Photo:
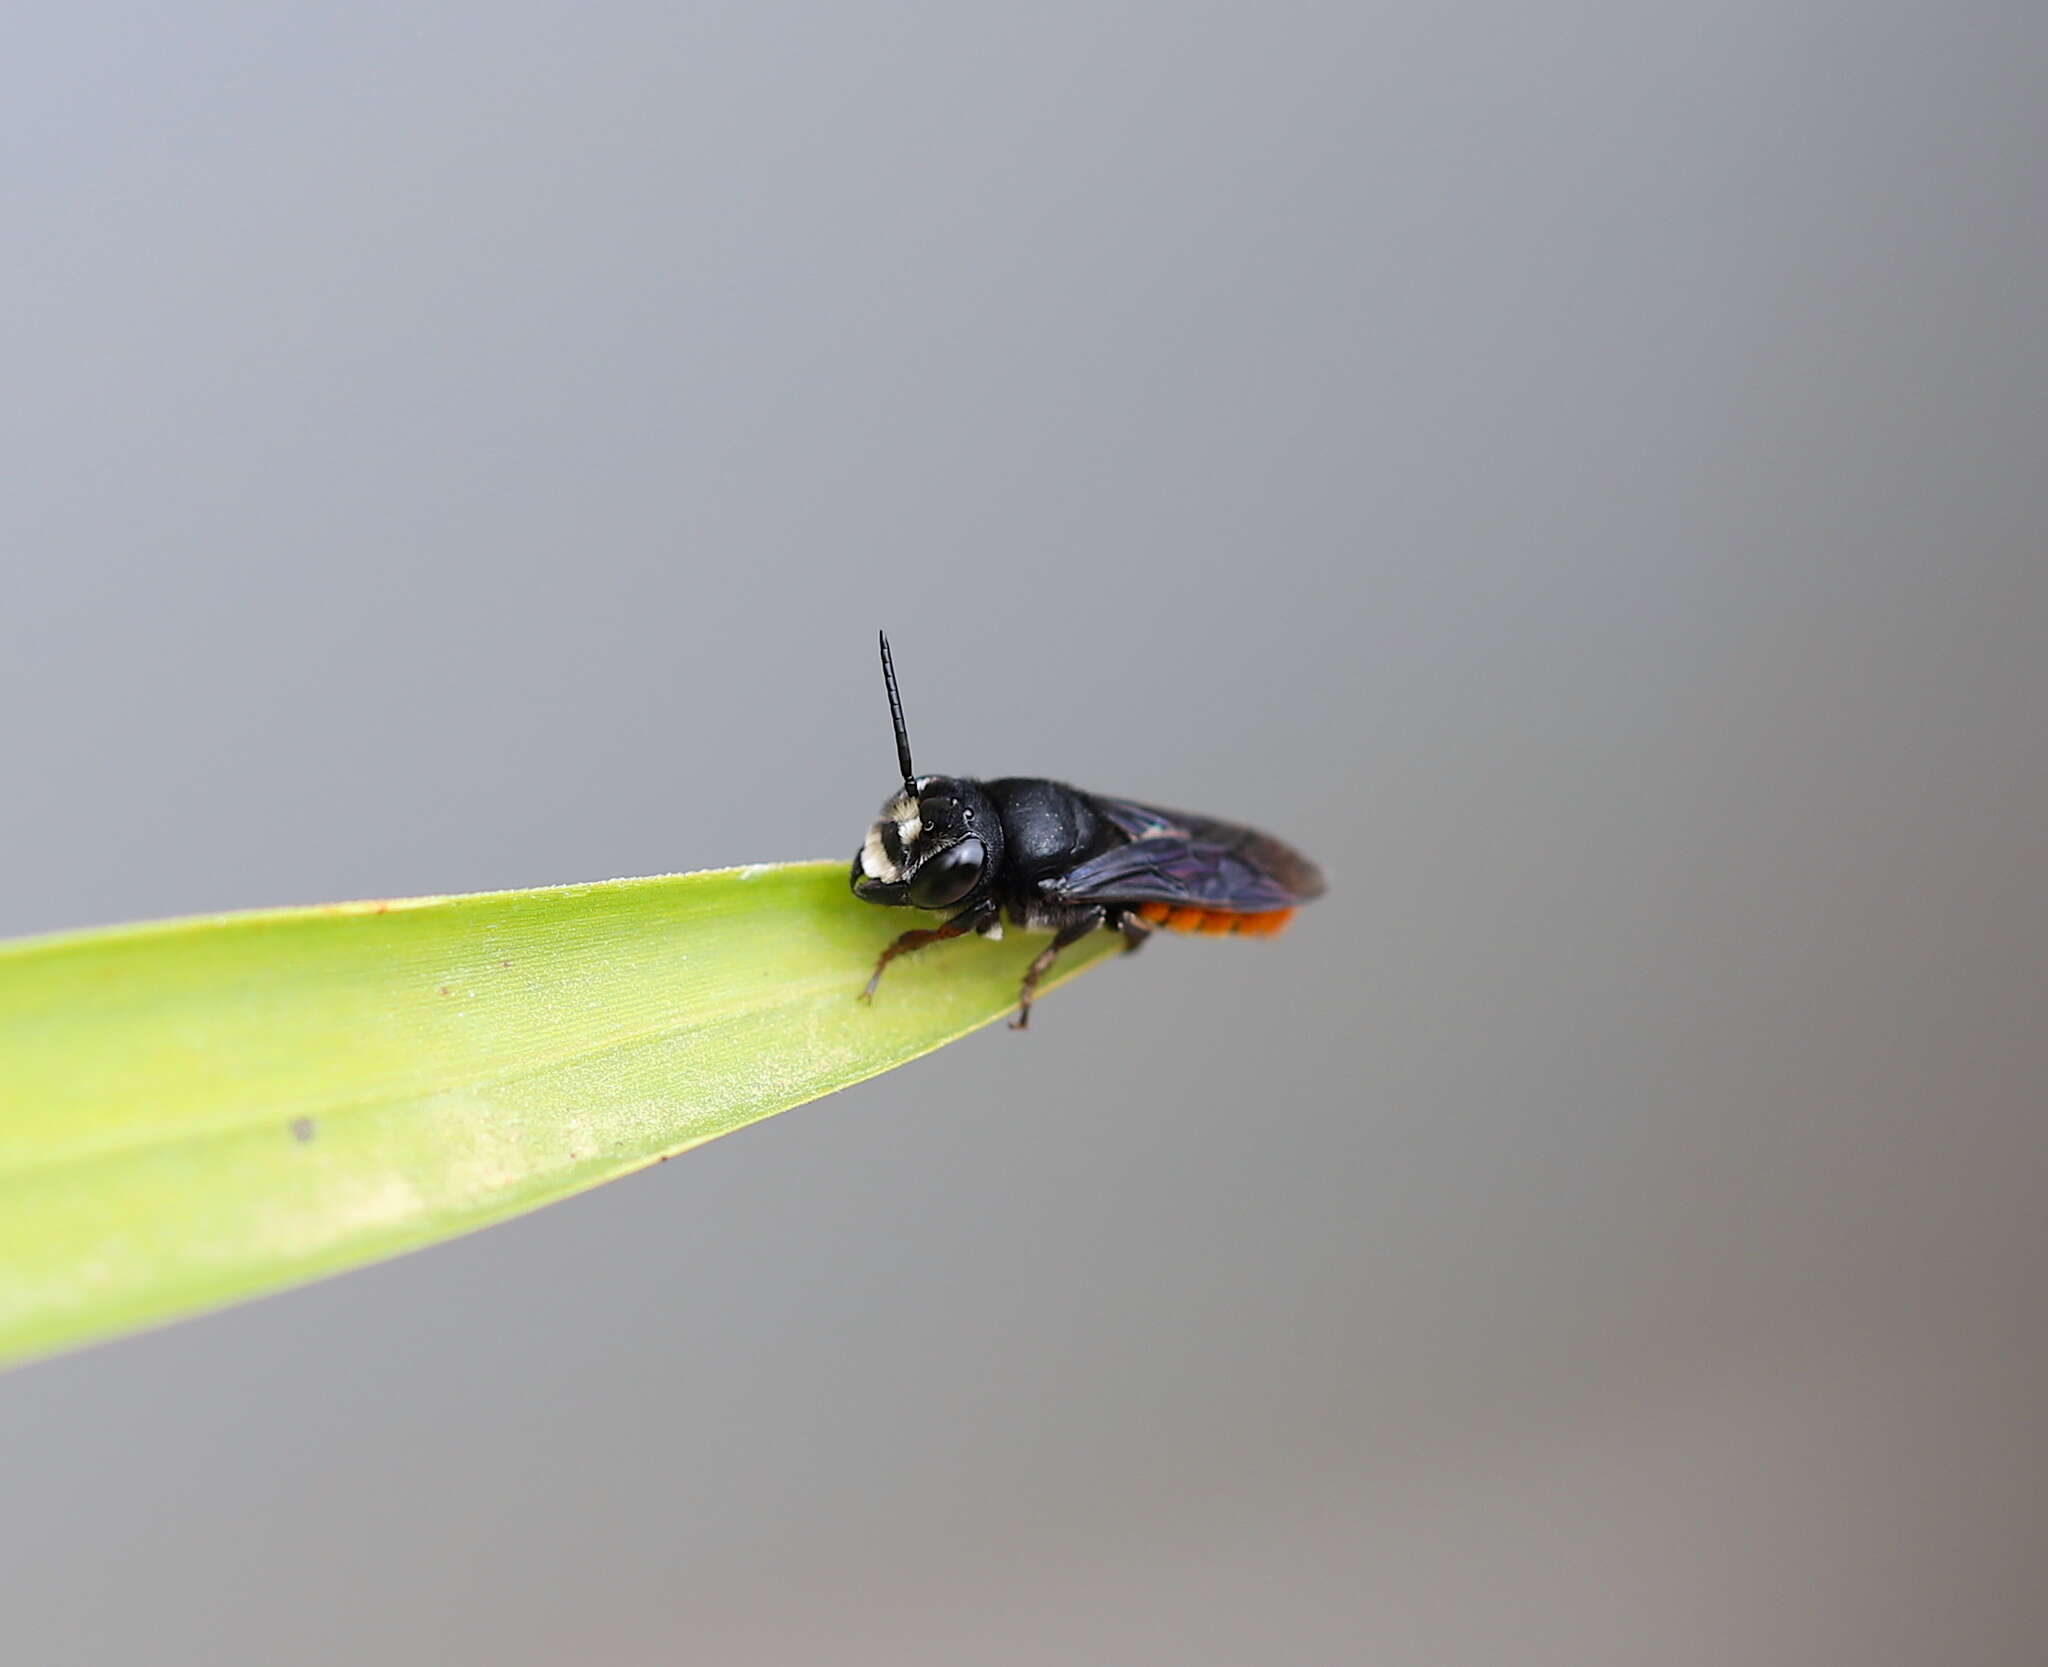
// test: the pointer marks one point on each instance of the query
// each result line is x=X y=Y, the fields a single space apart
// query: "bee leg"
x=1041 y=964
x=912 y=941
x=1136 y=930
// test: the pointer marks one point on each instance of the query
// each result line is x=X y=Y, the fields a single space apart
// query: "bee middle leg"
x=1041 y=964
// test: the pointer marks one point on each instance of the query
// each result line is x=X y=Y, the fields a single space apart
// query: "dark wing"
x=1175 y=857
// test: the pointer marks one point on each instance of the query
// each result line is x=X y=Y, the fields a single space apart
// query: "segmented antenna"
x=896 y=717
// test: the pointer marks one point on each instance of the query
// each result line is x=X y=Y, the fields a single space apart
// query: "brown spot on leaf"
x=304 y=1129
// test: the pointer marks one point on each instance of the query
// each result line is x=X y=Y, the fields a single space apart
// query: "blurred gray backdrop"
x=1576 y=468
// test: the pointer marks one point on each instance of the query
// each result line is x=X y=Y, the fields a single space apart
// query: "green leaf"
x=201 y=1110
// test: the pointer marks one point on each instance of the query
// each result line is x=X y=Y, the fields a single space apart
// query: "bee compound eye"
x=945 y=878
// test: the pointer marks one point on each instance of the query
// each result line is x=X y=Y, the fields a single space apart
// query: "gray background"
x=1577 y=468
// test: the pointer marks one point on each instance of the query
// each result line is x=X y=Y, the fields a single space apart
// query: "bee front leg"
x=912 y=941
x=1041 y=964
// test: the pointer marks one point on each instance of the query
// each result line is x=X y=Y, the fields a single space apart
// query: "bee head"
x=933 y=846
x=936 y=843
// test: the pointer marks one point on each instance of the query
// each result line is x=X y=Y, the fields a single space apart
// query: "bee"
x=1047 y=857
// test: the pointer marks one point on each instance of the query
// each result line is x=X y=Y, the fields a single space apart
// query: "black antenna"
x=896 y=718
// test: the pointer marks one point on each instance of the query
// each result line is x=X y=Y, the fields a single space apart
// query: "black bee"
x=1053 y=858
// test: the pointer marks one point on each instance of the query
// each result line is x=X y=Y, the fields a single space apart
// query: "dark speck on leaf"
x=447 y=989
x=303 y=1129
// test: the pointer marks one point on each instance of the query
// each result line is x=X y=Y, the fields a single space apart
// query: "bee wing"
x=1176 y=857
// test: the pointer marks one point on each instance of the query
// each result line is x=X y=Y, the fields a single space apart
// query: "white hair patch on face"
x=909 y=824
x=874 y=859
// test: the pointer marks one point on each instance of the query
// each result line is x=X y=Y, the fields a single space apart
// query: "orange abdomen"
x=1215 y=922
